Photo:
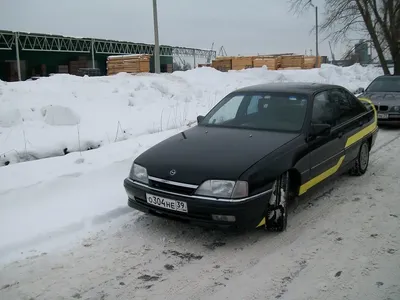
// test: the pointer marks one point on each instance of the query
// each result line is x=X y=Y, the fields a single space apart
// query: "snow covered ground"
x=66 y=231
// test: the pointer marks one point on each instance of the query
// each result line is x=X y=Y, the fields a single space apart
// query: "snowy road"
x=343 y=242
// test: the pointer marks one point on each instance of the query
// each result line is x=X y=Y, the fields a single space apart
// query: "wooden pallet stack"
x=134 y=63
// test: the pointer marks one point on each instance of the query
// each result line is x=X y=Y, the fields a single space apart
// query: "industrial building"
x=43 y=54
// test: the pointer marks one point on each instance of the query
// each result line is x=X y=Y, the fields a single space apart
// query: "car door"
x=326 y=152
x=354 y=117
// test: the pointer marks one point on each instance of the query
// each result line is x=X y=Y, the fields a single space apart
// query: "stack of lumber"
x=272 y=63
x=292 y=62
x=309 y=62
x=222 y=63
x=242 y=62
x=276 y=62
x=134 y=63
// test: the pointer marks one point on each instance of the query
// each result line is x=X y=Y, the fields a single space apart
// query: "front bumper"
x=389 y=122
x=247 y=213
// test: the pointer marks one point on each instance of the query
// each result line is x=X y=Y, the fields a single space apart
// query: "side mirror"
x=320 y=129
x=359 y=91
x=200 y=118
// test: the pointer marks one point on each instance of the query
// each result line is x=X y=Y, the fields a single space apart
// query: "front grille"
x=381 y=107
x=171 y=188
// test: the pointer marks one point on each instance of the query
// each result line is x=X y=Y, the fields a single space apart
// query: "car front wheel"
x=276 y=218
x=362 y=161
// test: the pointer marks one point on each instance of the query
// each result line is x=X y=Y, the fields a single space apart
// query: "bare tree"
x=378 y=19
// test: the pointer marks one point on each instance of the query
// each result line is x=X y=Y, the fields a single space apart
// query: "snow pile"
x=63 y=113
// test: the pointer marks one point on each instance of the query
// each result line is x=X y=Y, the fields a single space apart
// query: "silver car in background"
x=384 y=92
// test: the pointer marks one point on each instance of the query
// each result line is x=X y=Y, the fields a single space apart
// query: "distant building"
x=30 y=55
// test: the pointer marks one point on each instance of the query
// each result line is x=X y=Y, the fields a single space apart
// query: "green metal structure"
x=54 y=50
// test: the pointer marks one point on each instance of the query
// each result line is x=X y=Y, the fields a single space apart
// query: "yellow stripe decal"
x=359 y=135
x=309 y=184
x=261 y=223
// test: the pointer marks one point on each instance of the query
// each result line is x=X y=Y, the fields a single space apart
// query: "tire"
x=362 y=161
x=276 y=214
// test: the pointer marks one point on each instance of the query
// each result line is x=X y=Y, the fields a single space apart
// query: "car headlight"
x=223 y=189
x=139 y=173
x=396 y=108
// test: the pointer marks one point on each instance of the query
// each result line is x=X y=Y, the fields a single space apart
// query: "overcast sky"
x=245 y=27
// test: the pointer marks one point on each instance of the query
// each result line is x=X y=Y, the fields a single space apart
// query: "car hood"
x=202 y=153
x=383 y=98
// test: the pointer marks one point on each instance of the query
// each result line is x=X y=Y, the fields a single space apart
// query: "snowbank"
x=63 y=113
x=42 y=201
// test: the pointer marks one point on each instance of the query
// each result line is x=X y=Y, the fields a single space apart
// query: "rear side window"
x=345 y=105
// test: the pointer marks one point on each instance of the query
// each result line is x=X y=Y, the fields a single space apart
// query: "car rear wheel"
x=276 y=218
x=362 y=161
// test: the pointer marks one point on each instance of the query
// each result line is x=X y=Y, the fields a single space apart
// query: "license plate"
x=383 y=116
x=170 y=204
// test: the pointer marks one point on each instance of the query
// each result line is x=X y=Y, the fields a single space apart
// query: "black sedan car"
x=256 y=150
x=384 y=92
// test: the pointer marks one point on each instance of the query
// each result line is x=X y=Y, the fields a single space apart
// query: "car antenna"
x=183 y=134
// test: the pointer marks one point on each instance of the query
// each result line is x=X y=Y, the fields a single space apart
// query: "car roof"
x=387 y=76
x=289 y=87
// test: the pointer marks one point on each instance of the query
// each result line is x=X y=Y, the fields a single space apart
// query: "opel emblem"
x=172 y=172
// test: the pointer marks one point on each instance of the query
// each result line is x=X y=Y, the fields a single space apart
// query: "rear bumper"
x=248 y=214
x=388 y=121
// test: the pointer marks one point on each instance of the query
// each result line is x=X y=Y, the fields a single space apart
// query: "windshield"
x=385 y=84
x=276 y=111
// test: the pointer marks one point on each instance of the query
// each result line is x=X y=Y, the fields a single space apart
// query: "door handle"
x=340 y=134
